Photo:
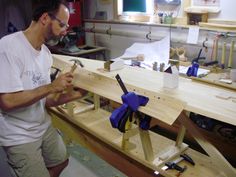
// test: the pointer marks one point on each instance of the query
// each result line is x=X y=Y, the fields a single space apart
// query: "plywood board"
x=165 y=104
x=104 y=84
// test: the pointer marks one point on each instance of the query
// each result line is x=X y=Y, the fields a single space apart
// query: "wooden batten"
x=104 y=84
x=165 y=104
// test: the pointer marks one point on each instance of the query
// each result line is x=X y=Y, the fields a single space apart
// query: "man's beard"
x=52 y=39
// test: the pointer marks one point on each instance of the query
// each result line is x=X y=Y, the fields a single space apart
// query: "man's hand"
x=14 y=100
x=62 y=82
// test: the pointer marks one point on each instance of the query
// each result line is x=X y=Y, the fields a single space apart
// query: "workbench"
x=86 y=51
x=143 y=150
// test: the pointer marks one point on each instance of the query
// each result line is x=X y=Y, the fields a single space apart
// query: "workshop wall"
x=117 y=43
x=127 y=34
x=227 y=9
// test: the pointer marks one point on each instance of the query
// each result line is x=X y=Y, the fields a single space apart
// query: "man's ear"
x=45 y=18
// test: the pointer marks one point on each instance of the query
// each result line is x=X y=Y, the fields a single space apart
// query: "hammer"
x=73 y=67
x=76 y=63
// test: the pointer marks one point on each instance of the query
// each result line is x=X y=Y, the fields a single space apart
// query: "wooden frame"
x=166 y=105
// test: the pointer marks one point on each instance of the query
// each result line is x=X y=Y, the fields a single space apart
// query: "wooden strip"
x=217 y=158
x=180 y=136
x=222 y=21
x=96 y=101
x=84 y=109
x=131 y=133
x=159 y=105
x=216 y=25
x=146 y=144
x=214 y=82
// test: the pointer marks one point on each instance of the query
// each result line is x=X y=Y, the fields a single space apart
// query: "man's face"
x=58 y=26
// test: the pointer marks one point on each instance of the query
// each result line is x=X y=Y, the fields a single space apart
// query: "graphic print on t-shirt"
x=36 y=77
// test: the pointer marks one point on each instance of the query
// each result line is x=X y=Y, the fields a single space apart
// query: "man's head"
x=53 y=16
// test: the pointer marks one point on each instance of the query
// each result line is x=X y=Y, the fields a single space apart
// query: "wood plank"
x=217 y=26
x=164 y=104
x=180 y=136
x=222 y=21
x=146 y=145
x=213 y=78
x=160 y=105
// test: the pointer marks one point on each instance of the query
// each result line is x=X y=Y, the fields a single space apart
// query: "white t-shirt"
x=23 y=68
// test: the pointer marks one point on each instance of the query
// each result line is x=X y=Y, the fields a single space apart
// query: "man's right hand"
x=62 y=82
x=13 y=100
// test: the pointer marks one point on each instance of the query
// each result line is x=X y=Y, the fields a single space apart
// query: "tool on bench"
x=214 y=55
x=196 y=60
x=192 y=70
x=139 y=57
x=74 y=66
x=231 y=53
x=155 y=66
x=174 y=164
x=210 y=63
x=135 y=61
x=181 y=54
x=222 y=64
x=131 y=103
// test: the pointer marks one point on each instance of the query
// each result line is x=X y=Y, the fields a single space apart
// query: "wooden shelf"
x=203 y=26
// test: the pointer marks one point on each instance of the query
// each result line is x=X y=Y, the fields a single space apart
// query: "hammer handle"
x=57 y=95
x=73 y=68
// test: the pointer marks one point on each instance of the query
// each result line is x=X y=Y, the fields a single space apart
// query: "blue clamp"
x=145 y=123
x=131 y=103
x=192 y=70
x=134 y=101
x=117 y=115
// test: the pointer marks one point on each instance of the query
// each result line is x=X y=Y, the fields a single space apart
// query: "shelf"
x=203 y=26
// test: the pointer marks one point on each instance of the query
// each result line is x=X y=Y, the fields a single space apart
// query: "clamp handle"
x=122 y=85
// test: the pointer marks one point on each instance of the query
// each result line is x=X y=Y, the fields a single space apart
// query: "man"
x=32 y=145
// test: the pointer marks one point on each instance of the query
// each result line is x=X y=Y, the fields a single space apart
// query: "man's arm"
x=11 y=101
x=70 y=95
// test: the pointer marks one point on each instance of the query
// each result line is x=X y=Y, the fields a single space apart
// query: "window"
x=134 y=6
x=127 y=7
x=144 y=10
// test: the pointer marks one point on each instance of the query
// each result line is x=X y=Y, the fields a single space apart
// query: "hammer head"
x=77 y=62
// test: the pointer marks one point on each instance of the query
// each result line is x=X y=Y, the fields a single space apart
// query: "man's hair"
x=42 y=6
